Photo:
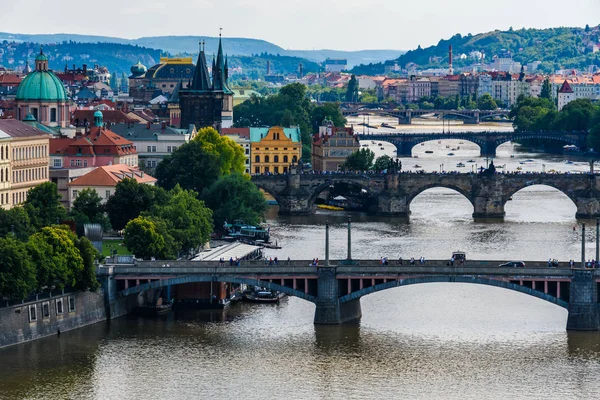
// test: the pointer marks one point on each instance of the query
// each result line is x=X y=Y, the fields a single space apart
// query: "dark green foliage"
x=352 y=89
x=235 y=197
x=148 y=237
x=130 y=199
x=190 y=167
x=15 y=220
x=43 y=205
x=383 y=163
x=546 y=90
x=17 y=272
x=486 y=102
x=361 y=160
x=87 y=276
x=87 y=208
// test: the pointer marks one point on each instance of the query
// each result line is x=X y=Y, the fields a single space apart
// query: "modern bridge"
x=296 y=193
x=488 y=142
x=337 y=287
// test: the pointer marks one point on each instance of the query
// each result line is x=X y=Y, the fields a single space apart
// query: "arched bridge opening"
x=539 y=201
x=555 y=291
x=440 y=197
x=405 y=146
x=304 y=288
x=347 y=193
x=537 y=139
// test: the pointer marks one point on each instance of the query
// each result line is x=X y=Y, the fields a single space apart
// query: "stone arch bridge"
x=406 y=116
x=296 y=193
x=336 y=290
x=488 y=142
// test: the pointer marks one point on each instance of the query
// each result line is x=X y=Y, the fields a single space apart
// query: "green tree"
x=575 y=116
x=15 y=220
x=229 y=154
x=58 y=260
x=235 y=197
x=593 y=139
x=486 y=102
x=189 y=166
x=546 y=92
x=144 y=239
x=352 y=90
x=382 y=163
x=87 y=276
x=17 y=272
x=330 y=111
x=87 y=208
x=130 y=199
x=361 y=160
x=43 y=205
x=188 y=220
x=532 y=114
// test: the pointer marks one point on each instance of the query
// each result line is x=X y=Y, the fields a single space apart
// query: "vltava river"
x=430 y=341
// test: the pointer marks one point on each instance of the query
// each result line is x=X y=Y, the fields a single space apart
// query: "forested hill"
x=556 y=48
x=120 y=57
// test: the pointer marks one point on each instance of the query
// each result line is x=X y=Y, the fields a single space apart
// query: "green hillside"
x=556 y=48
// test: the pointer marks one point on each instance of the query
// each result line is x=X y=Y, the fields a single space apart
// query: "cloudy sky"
x=297 y=24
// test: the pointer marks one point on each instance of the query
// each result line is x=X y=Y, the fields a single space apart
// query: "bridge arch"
x=268 y=190
x=463 y=191
x=536 y=135
x=448 y=279
x=406 y=148
x=347 y=179
x=209 y=278
x=544 y=182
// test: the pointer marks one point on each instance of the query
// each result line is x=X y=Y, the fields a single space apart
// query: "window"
x=71 y=304
x=247 y=151
x=72 y=163
x=169 y=149
x=32 y=313
x=285 y=170
x=74 y=194
x=107 y=194
x=78 y=163
x=294 y=159
x=267 y=159
x=53 y=115
x=267 y=169
x=149 y=148
x=46 y=310
x=285 y=159
x=276 y=170
x=276 y=159
x=59 y=306
x=257 y=159
x=85 y=163
x=153 y=149
x=247 y=161
x=257 y=170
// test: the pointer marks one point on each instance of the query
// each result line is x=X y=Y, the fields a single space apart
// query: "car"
x=518 y=264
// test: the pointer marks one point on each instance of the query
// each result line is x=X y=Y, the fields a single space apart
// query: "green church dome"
x=41 y=85
x=138 y=69
x=41 y=57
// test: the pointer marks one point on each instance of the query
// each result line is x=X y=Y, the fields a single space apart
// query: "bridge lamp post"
x=583 y=245
x=597 y=239
x=327 y=243
x=543 y=168
x=349 y=238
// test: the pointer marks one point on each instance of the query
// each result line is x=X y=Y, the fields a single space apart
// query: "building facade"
x=162 y=78
x=241 y=136
x=5 y=169
x=27 y=159
x=331 y=146
x=274 y=149
x=565 y=95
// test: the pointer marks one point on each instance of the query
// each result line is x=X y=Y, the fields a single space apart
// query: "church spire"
x=219 y=74
x=201 y=80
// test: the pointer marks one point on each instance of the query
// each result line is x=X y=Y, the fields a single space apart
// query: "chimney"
x=148 y=125
x=163 y=125
x=84 y=69
x=450 y=69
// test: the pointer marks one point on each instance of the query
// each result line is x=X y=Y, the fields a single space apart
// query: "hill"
x=556 y=48
x=189 y=45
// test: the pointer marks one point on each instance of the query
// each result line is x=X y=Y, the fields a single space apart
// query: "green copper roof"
x=41 y=57
x=256 y=134
x=41 y=85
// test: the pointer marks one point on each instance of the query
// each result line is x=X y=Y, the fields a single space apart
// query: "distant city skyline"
x=306 y=25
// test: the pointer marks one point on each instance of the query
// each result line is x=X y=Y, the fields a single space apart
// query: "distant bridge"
x=406 y=116
x=488 y=142
x=336 y=289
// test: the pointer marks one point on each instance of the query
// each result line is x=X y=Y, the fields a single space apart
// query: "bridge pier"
x=488 y=207
x=329 y=311
x=584 y=313
x=403 y=149
x=489 y=148
x=587 y=207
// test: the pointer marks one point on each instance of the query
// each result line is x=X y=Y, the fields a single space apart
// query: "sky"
x=297 y=24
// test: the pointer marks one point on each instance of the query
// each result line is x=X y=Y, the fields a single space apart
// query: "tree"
x=575 y=116
x=189 y=166
x=230 y=155
x=360 y=160
x=17 y=272
x=531 y=114
x=486 y=102
x=546 y=92
x=143 y=238
x=43 y=205
x=235 y=197
x=58 y=260
x=330 y=111
x=593 y=139
x=87 y=276
x=188 y=220
x=383 y=163
x=352 y=91
x=15 y=221
x=130 y=199
x=87 y=208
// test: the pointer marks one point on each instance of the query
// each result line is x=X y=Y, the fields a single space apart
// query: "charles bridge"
x=337 y=286
x=488 y=142
x=296 y=193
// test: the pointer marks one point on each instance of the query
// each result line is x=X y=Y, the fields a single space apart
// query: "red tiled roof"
x=242 y=132
x=112 y=116
x=10 y=79
x=110 y=175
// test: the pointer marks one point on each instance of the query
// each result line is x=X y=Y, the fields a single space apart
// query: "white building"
x=565 y=95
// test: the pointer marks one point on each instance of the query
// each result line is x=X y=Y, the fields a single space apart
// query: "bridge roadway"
x=336 y=289
x=296 y=193
x=487 y=141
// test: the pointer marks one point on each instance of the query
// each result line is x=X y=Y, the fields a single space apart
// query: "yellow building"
x=28 y=159
x=5 y=140
x=274 y=149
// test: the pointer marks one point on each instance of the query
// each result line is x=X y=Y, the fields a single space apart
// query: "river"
x=430 y=341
